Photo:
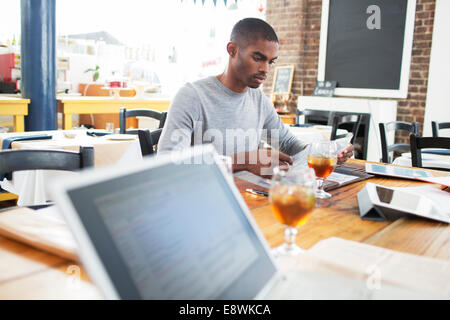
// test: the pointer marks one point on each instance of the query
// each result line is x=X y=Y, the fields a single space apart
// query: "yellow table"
x=97 y=105
x=16 y=107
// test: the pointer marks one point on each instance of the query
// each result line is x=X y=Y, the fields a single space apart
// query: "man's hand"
x=260 y=162
x=345 y=154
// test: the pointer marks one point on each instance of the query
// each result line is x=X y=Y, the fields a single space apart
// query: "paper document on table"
x=335 y=268
x=342 y=143
x=253 y=178
x=379 y=267
x=43 y=229
x=313 y=285
x=300 y=159
x=342 y=178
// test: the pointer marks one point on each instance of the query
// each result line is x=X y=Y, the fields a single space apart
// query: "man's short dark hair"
x=250 y=29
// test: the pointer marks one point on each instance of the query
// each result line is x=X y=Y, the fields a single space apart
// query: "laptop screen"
x=175 y=231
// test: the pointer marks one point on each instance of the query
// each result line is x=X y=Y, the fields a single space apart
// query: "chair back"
x=149 y=140
x=385 y=128
x=314 y=116
x=419 y=143
x=347 y=120
x=33 y=159
x=436 y=126
x=150 y=113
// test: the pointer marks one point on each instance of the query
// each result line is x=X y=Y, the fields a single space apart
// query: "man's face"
x=252 y=63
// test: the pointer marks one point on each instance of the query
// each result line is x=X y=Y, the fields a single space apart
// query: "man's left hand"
x=345 y=154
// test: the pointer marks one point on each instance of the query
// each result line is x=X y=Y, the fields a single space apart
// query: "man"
x=230 y=112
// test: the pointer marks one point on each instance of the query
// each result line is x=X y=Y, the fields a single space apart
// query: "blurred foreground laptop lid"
x=173 y=227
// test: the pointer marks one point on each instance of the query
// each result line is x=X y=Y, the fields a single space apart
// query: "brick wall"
x=297 y=23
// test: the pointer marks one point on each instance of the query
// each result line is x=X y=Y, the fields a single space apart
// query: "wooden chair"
x=385 y=128
x=352 y=121
x=436 y=126
x=315 y=116
x=149 y=140
x=33 y=159
x=419 y=143
x=124 y=114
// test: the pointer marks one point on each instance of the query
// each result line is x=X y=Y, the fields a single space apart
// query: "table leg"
x=19 y=123
x=67 y=120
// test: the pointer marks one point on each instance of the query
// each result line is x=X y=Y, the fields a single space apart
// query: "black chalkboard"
x=283 y=79
x=365 y=43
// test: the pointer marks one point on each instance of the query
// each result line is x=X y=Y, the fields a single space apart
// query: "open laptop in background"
x=176 y=227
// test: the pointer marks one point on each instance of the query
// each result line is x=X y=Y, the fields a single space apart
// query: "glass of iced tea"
x=292 y=200
x=322 y=157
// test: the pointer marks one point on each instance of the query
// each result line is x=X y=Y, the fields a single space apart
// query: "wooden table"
x=16 y=107
x=100 y=105
x=339 y=217
x=29 y=273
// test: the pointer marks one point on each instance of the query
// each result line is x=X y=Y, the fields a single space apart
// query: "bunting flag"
x=215 y=2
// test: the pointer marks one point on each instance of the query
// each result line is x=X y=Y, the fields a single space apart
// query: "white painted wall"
x=438 y=100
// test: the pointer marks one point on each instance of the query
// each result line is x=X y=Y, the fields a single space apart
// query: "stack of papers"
x=335 y=268
x=334 y=180
x=43 y=229
x=341 y=178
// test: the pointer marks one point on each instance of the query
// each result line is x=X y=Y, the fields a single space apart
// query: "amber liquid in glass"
x=322 y=166
x=291 y=204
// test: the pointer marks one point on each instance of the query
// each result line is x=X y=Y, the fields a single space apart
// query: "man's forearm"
x=239 y=162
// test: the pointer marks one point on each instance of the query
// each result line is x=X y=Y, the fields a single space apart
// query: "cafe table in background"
x=105 y=105
x=30 y=185
x=429 y=160
x=16 y=107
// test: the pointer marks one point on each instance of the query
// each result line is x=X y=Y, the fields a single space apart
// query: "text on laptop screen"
x=173 y=232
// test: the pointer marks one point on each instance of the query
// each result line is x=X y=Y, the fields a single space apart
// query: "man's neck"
x=231 y=82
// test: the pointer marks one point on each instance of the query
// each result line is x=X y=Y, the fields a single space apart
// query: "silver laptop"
x=172 y=227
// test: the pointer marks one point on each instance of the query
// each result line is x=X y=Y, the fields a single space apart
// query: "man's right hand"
x=260 y=162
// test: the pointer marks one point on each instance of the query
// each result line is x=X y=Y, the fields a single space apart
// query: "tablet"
x=398 y=172
x=405 y=202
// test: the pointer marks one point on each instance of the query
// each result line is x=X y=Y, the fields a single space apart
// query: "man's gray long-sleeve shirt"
x=206 y=111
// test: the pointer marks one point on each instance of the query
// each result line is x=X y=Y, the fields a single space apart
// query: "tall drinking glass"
x=322 y=157
x=292 y=200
